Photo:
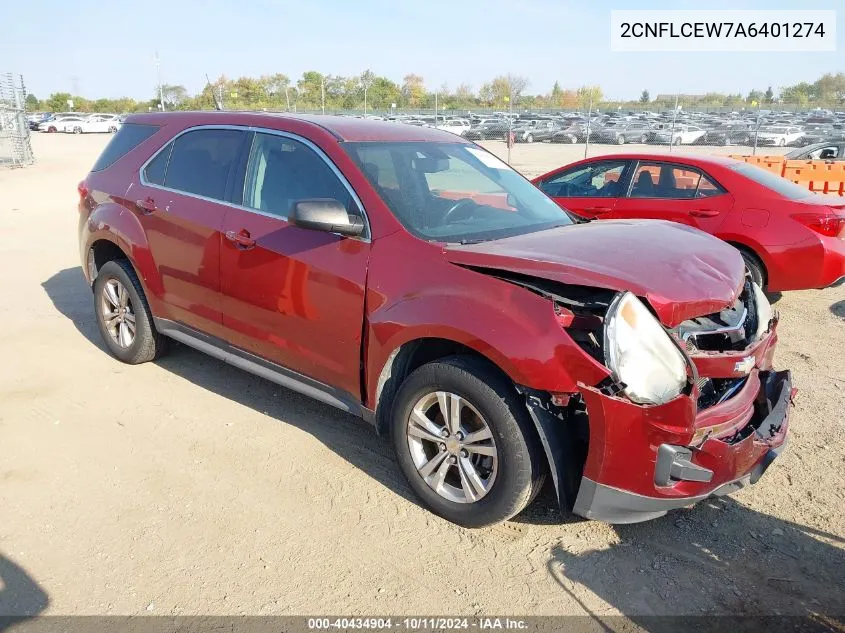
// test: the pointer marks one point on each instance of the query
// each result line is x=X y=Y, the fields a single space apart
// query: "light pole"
x=158 y=76
x=323 y=93
x=589 y=121
x=674 y=118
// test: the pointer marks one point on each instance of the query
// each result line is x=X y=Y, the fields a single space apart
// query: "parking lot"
x=187 y=486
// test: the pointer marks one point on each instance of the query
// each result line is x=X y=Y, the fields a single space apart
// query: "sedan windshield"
x=453 y=192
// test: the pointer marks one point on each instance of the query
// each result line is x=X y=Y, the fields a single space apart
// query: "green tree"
x=589 y=94
x=413 y=90
x=645 y=97
x=31 y=102
x=57 y=102
x=172 y=95
x=310 y=90
x=769 y=95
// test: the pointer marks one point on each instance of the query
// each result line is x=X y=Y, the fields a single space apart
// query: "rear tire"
x=529 y=139
x=620 y=140
x=146 y=343
x=514 y=471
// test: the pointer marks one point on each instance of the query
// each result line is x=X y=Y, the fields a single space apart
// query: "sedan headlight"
x=764 y=311
x=641 y=354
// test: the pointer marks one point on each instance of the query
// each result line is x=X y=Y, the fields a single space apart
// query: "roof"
x=343 y=128
x=699 y=159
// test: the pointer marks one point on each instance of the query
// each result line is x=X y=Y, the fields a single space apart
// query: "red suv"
x=407 y=276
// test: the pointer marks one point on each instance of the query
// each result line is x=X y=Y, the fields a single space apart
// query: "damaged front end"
x=687 y=412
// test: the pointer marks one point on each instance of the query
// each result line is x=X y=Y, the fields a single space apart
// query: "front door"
x=590 y=190
x=291 y=295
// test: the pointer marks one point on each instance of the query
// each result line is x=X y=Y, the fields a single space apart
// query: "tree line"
x=315 y=91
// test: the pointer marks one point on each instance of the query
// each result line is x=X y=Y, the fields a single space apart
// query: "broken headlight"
x=641 y=354
x=764 y=311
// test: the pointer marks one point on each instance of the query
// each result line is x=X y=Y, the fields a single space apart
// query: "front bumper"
x=643 y=461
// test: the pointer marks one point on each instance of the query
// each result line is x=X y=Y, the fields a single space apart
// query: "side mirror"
x=325 y=214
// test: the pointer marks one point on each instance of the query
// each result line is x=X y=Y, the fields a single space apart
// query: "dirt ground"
x=187 y=486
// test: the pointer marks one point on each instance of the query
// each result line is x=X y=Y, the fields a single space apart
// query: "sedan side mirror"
x=325 y=214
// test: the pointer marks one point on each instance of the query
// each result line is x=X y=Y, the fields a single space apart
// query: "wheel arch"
x=118 y=234
x=753 y=250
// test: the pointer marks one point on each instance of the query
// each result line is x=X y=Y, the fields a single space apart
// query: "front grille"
x=728 y=330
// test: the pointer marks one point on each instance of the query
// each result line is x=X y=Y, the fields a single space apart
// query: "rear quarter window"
x=127 y=138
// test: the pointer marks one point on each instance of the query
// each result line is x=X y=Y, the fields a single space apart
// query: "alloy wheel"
x=117 y=314
x=452 y=447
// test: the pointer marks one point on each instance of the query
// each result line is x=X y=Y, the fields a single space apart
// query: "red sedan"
x=790 y=238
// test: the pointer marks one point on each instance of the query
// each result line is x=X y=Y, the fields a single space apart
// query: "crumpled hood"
x=682 y=272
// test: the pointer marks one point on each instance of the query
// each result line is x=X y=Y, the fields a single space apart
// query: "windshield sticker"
x=487 y=158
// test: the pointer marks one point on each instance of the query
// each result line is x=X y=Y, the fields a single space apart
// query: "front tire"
x=755 y=268
x=529 y=139
x=123 y=315
x=464 y=442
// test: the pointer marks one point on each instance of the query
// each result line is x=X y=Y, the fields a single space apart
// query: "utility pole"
x=589 y=121
x=674 y=118
x=756 y=130
x=435 y=107
x=158 y=78
x=323 y=92
x=287 y=98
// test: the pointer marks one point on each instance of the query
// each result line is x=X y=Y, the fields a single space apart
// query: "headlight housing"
x=641 y=354
x=764 y=311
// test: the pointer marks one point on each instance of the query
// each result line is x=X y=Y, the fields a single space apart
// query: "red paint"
x=800 y=242
x=335 y=309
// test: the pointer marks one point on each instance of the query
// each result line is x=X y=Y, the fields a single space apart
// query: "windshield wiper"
x=464 y=242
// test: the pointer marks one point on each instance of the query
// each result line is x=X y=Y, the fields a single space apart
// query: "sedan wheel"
x=117 y=313
x=77 y=130
x=782 y=142
x=644 y=138
x=529 y=139
x=573 y=139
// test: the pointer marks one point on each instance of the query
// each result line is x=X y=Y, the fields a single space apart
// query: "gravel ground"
x=189 y=487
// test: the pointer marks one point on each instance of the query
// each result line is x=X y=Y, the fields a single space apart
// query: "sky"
x=106 y=49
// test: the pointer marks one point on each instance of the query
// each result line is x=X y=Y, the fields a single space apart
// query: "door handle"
x=146 y=206
x=241 y=239
x=704 y=213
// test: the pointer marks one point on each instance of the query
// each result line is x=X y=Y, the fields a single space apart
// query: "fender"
x=513 y=338
x=111 y=221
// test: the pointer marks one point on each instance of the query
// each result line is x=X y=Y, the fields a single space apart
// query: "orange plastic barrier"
x=820 y=176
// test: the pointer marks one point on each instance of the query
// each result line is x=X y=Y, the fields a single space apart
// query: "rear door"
x=678 y=193
x=589 y=189
x=180 y=204
x=292 y=295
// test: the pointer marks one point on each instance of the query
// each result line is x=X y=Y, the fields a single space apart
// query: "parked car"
x=791 y=238
x=681 y=135
x=819 y=151
x=534 y=130
x=779 y=136
x=455 y=126
x=409 y=277
x=575 y=133
x=493 y=130
x=624 y=132
x=96 y=123
x=729 y=134
x=59 y=123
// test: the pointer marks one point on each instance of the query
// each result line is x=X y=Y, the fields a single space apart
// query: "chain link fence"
x=751 y=130
x=15 y=148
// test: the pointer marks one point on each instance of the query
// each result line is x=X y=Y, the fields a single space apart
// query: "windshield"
x=453 y=192
x=782 y=186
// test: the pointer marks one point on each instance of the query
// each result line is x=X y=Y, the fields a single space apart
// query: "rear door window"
x=155 y=170
x=202 y=161
x=672 y=182
x=127 y=138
